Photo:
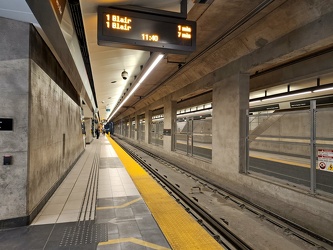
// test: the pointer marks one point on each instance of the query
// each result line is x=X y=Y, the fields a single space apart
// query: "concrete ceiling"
x=226 y=31
x=108 y=63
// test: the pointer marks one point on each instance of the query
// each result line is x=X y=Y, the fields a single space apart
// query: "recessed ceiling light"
x=113 y=81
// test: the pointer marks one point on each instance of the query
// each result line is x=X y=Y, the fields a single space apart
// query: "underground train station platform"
x=107 y=201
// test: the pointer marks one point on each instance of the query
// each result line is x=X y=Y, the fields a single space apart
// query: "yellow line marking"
x=120 y=206
x=282 y=161
x=135 y=241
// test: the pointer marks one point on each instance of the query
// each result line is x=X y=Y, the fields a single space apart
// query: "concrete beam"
x=47 y=19
x=312 y=67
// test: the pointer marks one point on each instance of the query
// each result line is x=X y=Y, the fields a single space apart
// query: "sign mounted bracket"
x=182 y=14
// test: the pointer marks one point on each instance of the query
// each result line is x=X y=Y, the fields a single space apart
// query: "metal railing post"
x=313 y=146
x=247 y=148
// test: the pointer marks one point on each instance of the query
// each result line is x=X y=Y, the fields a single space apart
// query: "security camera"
x=124 y=75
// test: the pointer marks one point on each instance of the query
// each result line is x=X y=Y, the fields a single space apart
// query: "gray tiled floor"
x=122 y=220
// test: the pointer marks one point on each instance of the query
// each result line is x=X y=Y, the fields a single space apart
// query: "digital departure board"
x=135 y=30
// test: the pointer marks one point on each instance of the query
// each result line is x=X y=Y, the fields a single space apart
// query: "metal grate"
x=84 y=233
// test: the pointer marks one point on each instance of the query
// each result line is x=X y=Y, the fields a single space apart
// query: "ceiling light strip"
x=325 y=89
x=142 y=78
x=286 y=96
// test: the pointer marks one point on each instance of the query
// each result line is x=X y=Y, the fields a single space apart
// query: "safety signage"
x=325 y=159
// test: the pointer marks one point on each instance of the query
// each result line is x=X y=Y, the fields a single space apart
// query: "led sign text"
x=127 y=29
x=118 y=22
x=184 y=32
x=148 y=37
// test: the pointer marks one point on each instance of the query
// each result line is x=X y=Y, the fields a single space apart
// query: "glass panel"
x=123 y=127
x=324 y=142
x=257 y=118
x=126 y=128
x=117 y=128
x=156 y=133
x=181 y=135
x=133 y=128
x=142 y=130
x=279 y=146
x=202 y=138
x=160 y=128
x=190 y=137
x=152 y=133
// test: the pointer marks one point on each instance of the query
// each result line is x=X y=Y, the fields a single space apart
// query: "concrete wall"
x=46 y=139
x=14 y=92
x=55 y=138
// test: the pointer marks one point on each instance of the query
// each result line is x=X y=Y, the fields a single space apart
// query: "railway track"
x=218 y=226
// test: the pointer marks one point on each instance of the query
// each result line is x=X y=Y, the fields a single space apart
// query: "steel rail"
x=232 y=239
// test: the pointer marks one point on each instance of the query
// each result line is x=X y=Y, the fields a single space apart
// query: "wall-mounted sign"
x=325 y=159
x=136 y=30
x=6 y=124
x=299 y=104
x=167 y=132
x=7 y=160
x=267 y=107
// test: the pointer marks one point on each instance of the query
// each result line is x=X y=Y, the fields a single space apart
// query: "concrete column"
x=89 y=135
x=170 y=115
x=148 y=118
x=230 y=101
x=14 y=103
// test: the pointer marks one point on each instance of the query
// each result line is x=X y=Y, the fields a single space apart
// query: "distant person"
x=97 y=133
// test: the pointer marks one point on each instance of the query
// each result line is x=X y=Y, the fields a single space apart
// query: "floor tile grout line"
x=95 y=184
x=58 y=215
x=90 y=189
x=54 y=224
x=77 y=178
x=86 y=197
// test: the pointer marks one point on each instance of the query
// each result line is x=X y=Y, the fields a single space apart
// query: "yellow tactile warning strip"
x=180 y=229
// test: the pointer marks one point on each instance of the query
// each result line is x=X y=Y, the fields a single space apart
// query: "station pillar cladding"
x=46 y=137
x=14 y=103
x=170 y=114
x=231 y=100
x=89 y=132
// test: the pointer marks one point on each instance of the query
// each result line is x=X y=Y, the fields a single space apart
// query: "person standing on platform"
x=97 y=133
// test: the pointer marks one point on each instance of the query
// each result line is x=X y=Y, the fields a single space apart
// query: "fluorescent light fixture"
x=320 y=90
x=142 y=78
x=285 y=96
x=157 y=60
x=255 y=102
